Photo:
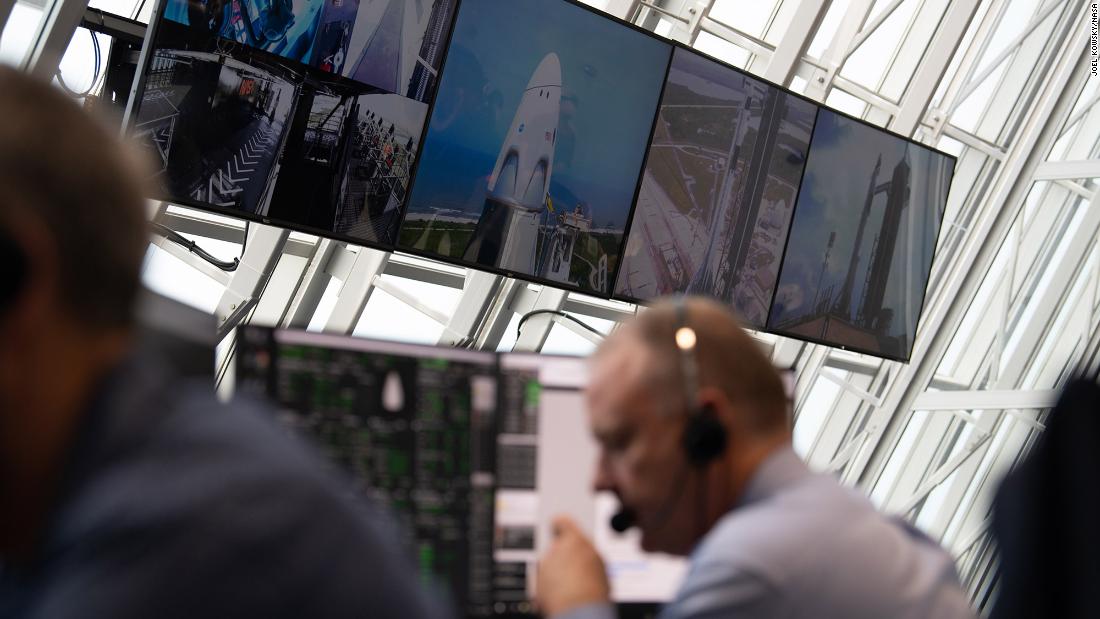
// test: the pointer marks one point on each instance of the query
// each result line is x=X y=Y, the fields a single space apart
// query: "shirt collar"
x=781 y=468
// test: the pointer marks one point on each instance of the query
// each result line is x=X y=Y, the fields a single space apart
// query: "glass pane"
x=868 y=63
x=168 y=275
x=847 y=103
x=19 y=33
x=562 y=341
x=748 y=17
x=140 y=10
x=388 y=318
x=83 y=68
x=722 y=49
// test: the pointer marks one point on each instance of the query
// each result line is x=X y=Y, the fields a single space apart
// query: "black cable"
x=525 y=317
x=137 y=11
x=97 y=53
x=194 y=248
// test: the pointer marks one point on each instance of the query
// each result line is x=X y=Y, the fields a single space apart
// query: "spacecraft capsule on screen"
x=507 y=232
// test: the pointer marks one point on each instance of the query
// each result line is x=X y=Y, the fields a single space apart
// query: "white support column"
x=786 y=352
x=537 y=328
x=265 y=247
x=934 y=64
x=303 y=304
x=58 y=26
x=1068 y=170
x=473 y=307
x=356 y=290
x=806 y=371
x=985 y=400
x=799 y=33
x=837 y=51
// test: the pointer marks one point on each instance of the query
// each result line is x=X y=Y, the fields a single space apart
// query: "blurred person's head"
x=641 y=400
x=72 y=239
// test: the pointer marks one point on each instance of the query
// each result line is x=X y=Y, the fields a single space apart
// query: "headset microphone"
x=623 y=519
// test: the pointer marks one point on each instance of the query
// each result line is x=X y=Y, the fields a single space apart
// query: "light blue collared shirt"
x=798 y=544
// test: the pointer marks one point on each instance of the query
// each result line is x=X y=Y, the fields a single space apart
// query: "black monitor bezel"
x=609 y=294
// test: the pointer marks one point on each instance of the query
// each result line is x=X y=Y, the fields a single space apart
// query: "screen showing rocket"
x=719 y=188
x=536 y=143
x=237 y=117
x=862 y=239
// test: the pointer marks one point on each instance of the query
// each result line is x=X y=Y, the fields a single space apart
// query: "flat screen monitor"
x=546 y=461
x=302 y=113
x=412 y=426
x=862 y=239
x=536 y=143
x=719 y=187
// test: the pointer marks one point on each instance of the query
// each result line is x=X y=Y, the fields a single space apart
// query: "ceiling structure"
x=1013 y=305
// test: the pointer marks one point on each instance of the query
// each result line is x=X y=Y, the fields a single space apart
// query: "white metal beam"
x=1068 y=170
x=311 y=288
x=265 y=247
x=473 y=307
x=537 y=328
x=58 y=26
x=356 y=290
x=934 y=65
x=984 y=400
x=799 y=34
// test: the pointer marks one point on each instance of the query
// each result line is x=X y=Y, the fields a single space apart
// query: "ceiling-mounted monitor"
x=249 y=108
x=720 y=183
x=536 y=141
x=862 y=239
x=393 y=45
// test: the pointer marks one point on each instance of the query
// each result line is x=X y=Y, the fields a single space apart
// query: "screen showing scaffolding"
x=719 y=188
x=306 y=114
x=862 y=239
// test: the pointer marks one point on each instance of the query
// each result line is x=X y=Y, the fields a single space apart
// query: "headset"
x=704 y=438
x=13 y=271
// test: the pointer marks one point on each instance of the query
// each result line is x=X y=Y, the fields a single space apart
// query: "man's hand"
x=571 y=574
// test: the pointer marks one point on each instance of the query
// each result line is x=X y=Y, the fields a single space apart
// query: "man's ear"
x=29 y=288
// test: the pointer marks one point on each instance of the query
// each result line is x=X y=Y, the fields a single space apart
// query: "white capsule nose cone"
x=548 y=72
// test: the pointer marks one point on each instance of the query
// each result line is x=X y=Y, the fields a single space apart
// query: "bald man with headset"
x=694 y=440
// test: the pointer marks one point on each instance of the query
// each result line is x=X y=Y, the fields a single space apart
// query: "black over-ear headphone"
x=13 y=271
x=704 y=435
